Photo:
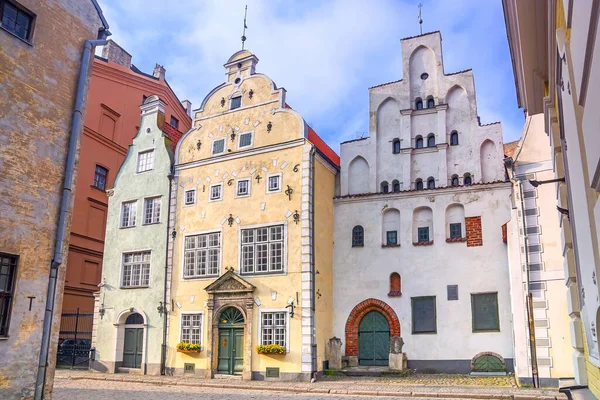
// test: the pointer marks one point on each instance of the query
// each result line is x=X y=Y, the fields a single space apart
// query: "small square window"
x=16 y=20
x=218 y=146
x=423 y=234
x=236 y=102
x=216 y=192
x=145 y=161
x=100 y=175
x=174 y=122
x=391 y=237
x=190 y=197
x=452 y=292
x=274 y=183
x=245 y=140
x=456 y=231
x=243 y=188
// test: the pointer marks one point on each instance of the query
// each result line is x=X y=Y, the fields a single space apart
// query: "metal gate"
x=75 y=339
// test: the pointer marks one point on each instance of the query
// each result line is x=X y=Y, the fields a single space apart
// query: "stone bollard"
x=335 y=353
x=396 y=356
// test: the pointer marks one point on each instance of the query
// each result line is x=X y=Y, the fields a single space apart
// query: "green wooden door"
x=373 y=339
x=132 y=348
x=231 y=351
x=238 y=350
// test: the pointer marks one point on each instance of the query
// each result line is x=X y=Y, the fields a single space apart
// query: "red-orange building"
x=116 y=91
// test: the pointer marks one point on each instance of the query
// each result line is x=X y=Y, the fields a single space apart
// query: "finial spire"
x=245 y=27
x=420 y=19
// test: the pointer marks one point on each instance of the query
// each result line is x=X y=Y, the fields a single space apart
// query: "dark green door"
x=231 y=351
x=132 y=349
x=373 y=339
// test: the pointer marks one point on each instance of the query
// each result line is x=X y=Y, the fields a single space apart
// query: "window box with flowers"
x=271 y=349
x=185 y=347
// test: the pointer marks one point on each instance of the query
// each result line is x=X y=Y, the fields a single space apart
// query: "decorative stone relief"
x=208 y=179
x=283 y=165
x=256 y=123
x=210 y=135
x=234 y=174
x=252 y=171
x=247 y=121
x=237 y=220
x=223 y=221
x=288 y=214
x=217 y=172
x=220 y=128
x=263 y=206
x=225 y=175
x=274 y=162
x=203 y=214
x=264 y=169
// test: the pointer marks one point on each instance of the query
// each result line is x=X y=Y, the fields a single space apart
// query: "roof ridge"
x=354 y=140
x=459 y=72
x=422 y=34
x=387 y=83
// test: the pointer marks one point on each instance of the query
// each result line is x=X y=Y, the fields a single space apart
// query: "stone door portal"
x=373 y=340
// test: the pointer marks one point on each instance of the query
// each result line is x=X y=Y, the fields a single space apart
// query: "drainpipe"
x=61 y=232
x=312 y=260
x=163 y=355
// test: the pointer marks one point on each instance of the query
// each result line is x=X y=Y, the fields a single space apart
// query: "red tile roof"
x=172 y=133
x=509 y=148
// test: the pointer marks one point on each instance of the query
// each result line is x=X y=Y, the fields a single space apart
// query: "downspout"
x=163 y=355
x=312 y=260
x=57 y=260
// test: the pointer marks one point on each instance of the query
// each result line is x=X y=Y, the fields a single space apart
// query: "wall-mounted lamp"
x=291 y=307
x=198 y=144
x=251 y=93
x=173 y=234
x=535 y=183
x=230 y=220
x=232 y=136
x=269 y=126
x=296 y=217
x=160 y=308
x=222 y=101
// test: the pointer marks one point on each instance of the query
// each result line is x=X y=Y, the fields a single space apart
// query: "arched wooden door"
x=373 y=340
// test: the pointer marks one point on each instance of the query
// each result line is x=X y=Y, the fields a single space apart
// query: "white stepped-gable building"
x=419 y=247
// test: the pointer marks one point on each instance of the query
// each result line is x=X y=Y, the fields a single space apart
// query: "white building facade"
x=419 y=251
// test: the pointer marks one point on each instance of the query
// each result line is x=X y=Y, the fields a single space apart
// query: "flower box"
x=271 y=349
x=188 y=351
x=185 y=347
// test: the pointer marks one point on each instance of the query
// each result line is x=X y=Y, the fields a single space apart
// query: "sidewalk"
x=337 y=385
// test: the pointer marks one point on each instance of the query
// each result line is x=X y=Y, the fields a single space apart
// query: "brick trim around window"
x=357 y=315
x=474 y=234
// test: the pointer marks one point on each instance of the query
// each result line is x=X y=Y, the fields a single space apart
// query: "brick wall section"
x=357 y=315
x=473 y=225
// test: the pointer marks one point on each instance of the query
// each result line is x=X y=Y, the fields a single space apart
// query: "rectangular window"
x=202 y=255
x=262 y=249
x=16 y=20
x=236 y=102
x=273 y=328
x=455 y=231
x=136 y=269
x=8 y=272
x=218 y=146
x=245 y=140
x=152 y=210
x=484 y=309
x=243 y=188
x=423 y=314
x=128 y=213
x=145 y=161
x=391 y=237
x=174 y=122
x=191 y=328
x=274 y=183
x=216 y=192
x=100 y=177
x=190 y=197
x=423 y=234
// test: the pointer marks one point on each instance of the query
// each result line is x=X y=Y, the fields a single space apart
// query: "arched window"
x=430 y=102
x=430 y=183
x=422 y=226
x=419 y=142
x=395 y=186
x=395 y=285
x=467 y=180
x=391 y=227
x=455 y=180
x=134 y=319
x=396 y=146
x=454 y=138
x=358 y=236
x=455 y=222
x=431 y=140
x=419 y=104
x=419 y=184
x=385 y=188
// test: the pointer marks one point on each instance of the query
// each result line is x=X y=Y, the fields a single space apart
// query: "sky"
x=326 y=54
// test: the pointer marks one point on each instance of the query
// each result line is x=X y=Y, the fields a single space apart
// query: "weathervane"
x=420 y=19
x=245 y=27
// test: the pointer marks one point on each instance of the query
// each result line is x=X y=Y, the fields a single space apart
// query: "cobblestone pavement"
x=431 y=380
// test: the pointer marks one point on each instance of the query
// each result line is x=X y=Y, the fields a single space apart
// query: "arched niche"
x=488 y=156
x=395 y=285
x=391 y=227
x=455 y=214
x=358 y=176
x=422 y=222
x=422 y=61
x=458 y=114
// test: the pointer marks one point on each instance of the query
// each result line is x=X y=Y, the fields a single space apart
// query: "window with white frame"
x=262 y=249
x=128 y=212
x=245 y=140
x=191 y=328
x=274 y=183
x=218 y=146
x=145 y=161
x=152 y=210
x=243 y=188
x=216 y=192
x=136 y=269
x=273 y=329
x=190 y=197
x=202 y=255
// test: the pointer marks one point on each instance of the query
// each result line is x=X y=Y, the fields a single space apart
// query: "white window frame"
x=287 y=324
x=122 y=212
x=212 y=146
x=137 y=166
x=185 y=202
x=219 y=261
x=199 y=312
x=239 y=146
x=159 y=198
x=280 y=175
x=249 y=180
x=210 y=199
x=234 y=95
x=284 y=259
x=122 y=273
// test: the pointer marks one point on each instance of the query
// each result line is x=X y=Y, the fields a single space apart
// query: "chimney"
x=159 y=72
x=188 y=107
x=115 y=53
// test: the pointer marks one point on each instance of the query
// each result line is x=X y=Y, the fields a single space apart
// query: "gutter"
x=312 y=261
x=163 y=354
x=76 y=124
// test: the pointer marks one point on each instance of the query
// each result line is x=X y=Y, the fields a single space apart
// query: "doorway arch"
x=231 y=341
x=373 y=339
x=131 y=339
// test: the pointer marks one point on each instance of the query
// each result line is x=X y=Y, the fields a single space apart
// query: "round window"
x=237 y=80
x=424 y=75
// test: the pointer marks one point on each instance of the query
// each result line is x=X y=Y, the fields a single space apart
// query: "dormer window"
x=236 y=102
x=419 y=104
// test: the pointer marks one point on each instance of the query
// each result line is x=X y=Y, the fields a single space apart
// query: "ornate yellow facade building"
x=253 y=189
